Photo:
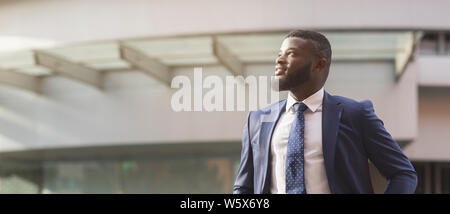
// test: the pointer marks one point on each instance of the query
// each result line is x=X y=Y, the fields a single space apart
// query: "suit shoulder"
x=345 y=100
x=256 y=115
x=354 y=105
x=269 y=107
x=351 y=102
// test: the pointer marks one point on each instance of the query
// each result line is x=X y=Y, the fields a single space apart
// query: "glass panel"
x=178 y=51
x=447 y=43
x=445 y=179
x=88 y=52
x=428 y=44
x=162 y=168
x=19 y=177
x=79 y=177
x=420 y=170
x=161 y=175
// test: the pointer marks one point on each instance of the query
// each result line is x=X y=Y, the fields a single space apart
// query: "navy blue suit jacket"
x=351 y=135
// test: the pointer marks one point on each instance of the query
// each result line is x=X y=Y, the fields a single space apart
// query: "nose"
x=280 y=60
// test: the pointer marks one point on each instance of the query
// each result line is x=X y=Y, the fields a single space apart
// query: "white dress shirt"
x=316 y=181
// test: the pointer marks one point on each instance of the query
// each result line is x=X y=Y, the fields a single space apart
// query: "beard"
x=292 y=79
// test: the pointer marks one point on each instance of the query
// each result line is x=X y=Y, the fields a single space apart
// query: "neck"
x=302 y=92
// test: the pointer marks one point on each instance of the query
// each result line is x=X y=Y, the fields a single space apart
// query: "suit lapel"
x=331 y=116
x=268 y=121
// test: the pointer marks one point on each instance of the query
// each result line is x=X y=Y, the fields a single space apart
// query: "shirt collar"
x=313 y=102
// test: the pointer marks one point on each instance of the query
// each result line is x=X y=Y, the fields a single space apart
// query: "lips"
x=279 y=71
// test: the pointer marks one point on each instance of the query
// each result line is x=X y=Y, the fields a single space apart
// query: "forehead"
x=295 y=43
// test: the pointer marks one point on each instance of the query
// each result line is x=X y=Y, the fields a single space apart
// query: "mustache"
x=280 y=67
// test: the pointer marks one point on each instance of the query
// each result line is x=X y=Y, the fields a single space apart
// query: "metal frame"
x=69 y=69
x=20 y=80
x=148 y=65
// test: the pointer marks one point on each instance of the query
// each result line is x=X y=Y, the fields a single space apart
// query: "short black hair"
x=319 y=40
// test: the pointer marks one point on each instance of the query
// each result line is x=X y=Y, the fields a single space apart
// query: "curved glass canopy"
x=157 y=55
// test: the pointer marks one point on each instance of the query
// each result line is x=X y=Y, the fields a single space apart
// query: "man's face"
x=294 y=62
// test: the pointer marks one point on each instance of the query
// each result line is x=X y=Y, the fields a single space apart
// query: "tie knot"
x=300 y=107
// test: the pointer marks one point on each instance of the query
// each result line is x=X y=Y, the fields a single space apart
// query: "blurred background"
x=85 y=96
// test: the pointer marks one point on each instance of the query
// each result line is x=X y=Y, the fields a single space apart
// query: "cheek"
x=297 y=62
x=293 y=63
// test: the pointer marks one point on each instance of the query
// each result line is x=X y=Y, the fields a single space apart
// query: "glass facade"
x=205 y=168
x=20 y=177
x=165 y=168
x=433 y=177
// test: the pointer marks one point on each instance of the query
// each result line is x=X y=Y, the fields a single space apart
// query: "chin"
x=280 y=83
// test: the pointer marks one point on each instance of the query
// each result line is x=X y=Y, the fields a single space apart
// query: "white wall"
x=434 y=70
x=432 y=142
x=91 y=20
x=395 y=102
x=433 y=134
x=133 y=108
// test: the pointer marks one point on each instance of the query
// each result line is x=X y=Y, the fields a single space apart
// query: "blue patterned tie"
x=295 y=173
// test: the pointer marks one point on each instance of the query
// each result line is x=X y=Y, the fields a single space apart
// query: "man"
x=316 y=142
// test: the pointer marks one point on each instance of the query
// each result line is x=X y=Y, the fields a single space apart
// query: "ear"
x=320 y=64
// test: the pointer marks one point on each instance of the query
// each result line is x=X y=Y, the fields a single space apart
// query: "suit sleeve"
x=244 y=179
x=386 y=154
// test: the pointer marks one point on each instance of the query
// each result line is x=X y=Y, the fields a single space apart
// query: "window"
x=421 y=177
x=161 y=168
x=429 y=44
x=445 y=179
